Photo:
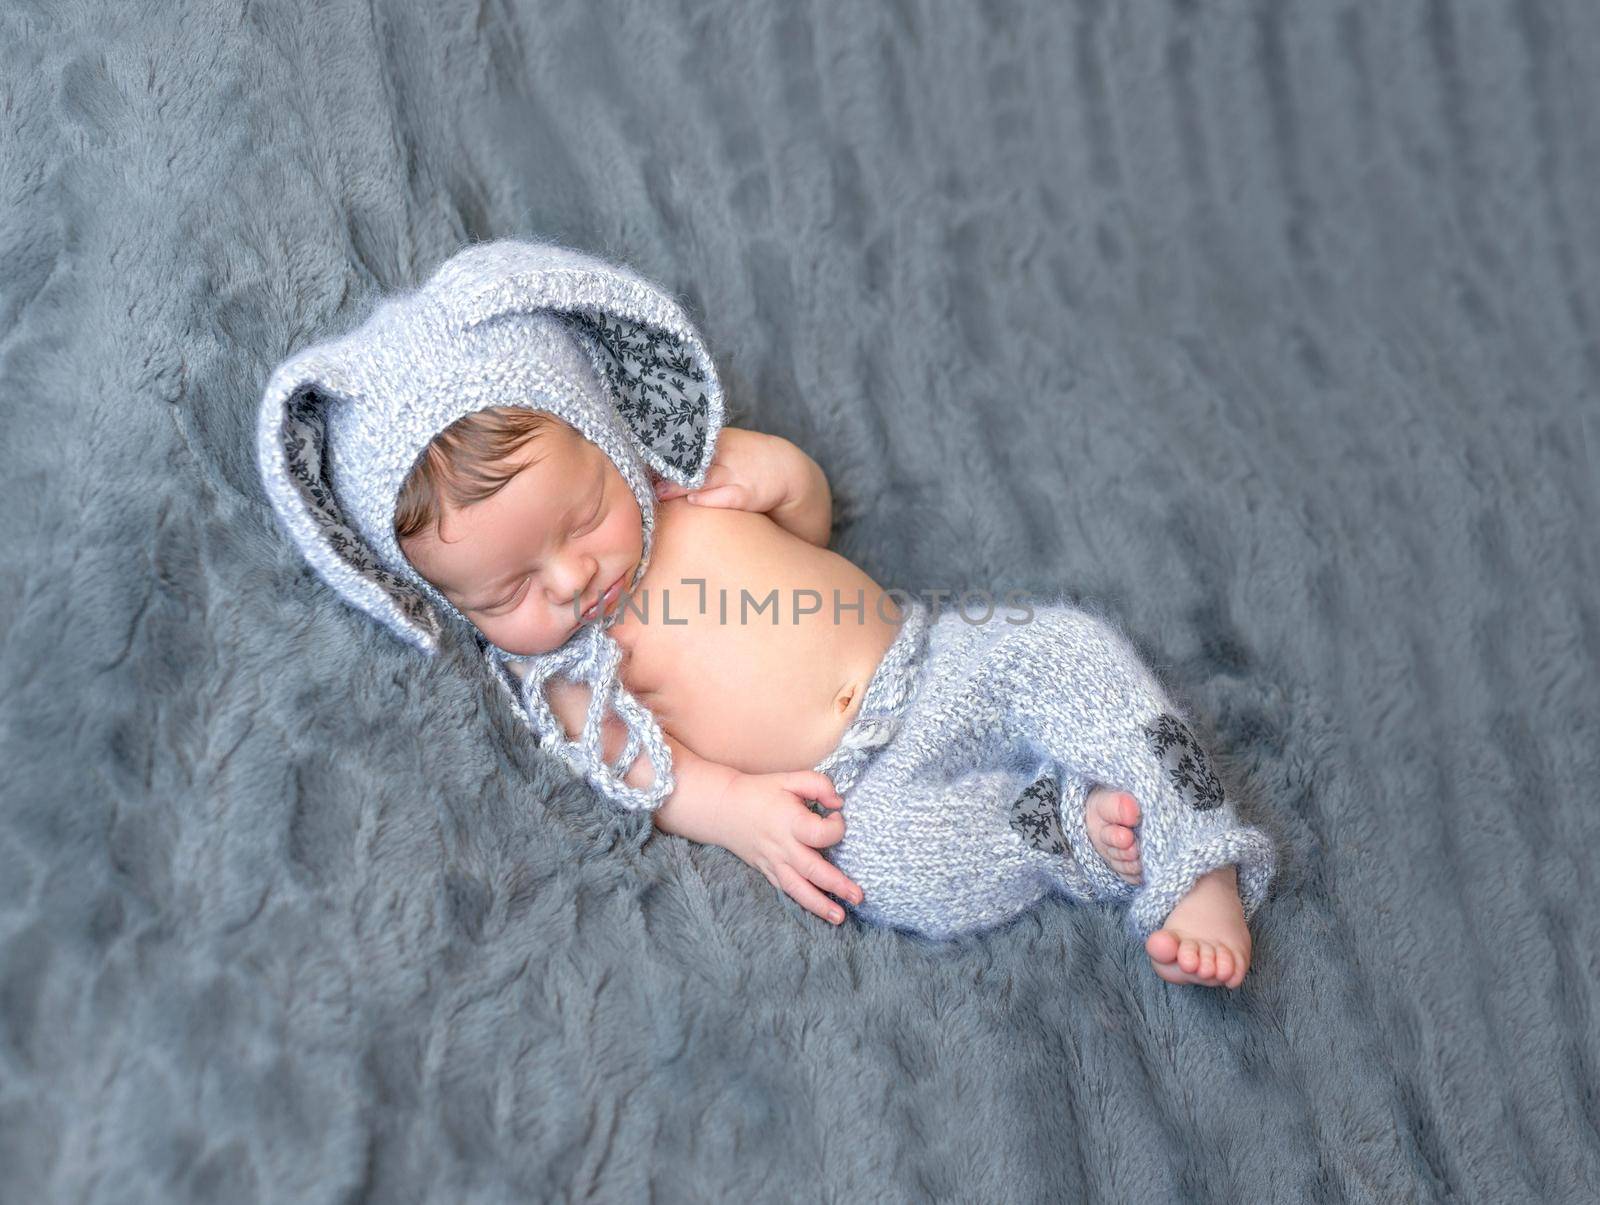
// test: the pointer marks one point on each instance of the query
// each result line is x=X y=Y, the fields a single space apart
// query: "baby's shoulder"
x=717 y=542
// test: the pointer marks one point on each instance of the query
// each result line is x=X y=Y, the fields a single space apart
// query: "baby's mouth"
x=607 y=597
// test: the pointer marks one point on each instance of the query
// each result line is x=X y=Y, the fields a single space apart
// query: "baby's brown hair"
x=466 y=463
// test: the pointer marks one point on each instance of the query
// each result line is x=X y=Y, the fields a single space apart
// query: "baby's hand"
x=749 y=471
x=775 y=832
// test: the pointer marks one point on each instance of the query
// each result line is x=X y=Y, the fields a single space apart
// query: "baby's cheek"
x=624 y=542
x=528 y=636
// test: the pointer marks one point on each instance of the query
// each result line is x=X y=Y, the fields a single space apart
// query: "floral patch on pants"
x=1185 y=761
x=1036 y=814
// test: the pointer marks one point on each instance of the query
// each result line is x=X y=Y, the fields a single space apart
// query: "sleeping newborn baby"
x=532 y=443
x=746 y=696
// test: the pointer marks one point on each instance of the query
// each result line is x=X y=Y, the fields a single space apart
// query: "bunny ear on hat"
x=502 y=323
x=291 y=442
x=660 y=377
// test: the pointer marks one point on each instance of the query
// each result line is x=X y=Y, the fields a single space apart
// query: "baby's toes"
x=1162 y=946
x=1116 y=807
x=1189 y=956
x=1123 y=838
x=1122 y=858
x=1180 y=959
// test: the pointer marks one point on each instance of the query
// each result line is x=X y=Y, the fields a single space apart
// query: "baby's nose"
x=572 y=582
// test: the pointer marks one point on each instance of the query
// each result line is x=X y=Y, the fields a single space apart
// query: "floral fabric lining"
x=1185 y=761
x=1036 y=814
x=304 y=434
x=657 y=385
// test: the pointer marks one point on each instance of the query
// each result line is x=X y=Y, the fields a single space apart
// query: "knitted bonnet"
x=502 y=323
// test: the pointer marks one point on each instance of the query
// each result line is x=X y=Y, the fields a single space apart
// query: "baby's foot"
x=1204 y=939
x=1110 y=815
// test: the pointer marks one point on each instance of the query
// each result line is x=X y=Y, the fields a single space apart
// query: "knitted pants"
x=965 y=772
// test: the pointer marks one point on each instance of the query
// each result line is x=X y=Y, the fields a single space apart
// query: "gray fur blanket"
x=1271 y=327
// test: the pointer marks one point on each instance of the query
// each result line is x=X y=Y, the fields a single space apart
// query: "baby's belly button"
x=802 y=735
x=848 y=701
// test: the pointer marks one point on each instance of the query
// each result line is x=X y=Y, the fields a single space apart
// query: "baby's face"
x=523 y=563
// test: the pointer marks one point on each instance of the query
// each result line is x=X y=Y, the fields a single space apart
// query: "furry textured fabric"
x=1268 y=327
x=965 y=723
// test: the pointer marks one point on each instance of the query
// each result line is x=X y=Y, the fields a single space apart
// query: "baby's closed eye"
x=592 y=522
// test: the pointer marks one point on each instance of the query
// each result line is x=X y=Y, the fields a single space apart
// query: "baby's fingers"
x=813 y=784
x=733 y=496
x=807 y=896
x=829 y=877
x=819 y=832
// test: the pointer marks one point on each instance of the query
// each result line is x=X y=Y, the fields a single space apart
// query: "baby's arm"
x=807 y=508
x=758 y=817
x=693 y=810
x=768 y=475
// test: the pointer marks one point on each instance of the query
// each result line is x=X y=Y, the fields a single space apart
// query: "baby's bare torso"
x=760 y=690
